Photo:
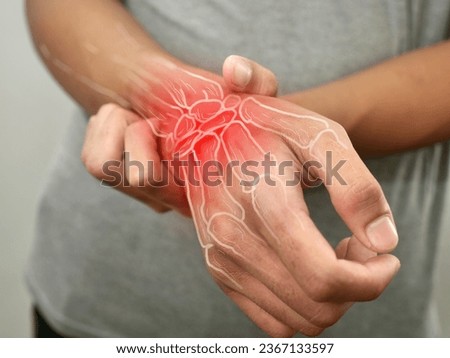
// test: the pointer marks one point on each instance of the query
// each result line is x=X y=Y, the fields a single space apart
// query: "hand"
x=259 y=242
x=114 y=131
x=115 y=139
x=243 y=75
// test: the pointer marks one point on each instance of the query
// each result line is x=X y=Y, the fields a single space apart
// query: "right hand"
x=259 y=242
x=114 y=131
x=282 y=273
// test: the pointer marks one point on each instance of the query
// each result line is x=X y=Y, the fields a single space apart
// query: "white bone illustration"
x=198 y=120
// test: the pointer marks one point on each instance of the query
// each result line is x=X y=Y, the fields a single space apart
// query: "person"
x=103 y=265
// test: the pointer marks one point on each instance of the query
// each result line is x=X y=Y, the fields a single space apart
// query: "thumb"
x=324 y=150
x=358 y=198
x=352 y=249
x=243 y=75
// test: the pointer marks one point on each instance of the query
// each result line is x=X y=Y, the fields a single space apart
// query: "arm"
x=95 y=49
x=400 y=104
x=92 y=47
x=106 y=56
x=259 y=242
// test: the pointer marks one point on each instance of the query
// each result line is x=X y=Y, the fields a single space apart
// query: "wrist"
x=336 y=101
x=142 y=75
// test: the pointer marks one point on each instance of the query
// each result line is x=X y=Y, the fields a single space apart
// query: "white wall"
x=33 y=114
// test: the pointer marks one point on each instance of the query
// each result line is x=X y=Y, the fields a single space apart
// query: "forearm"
x=400 y=104
x=92 y=47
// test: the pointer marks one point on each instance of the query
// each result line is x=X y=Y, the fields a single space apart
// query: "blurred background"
x=33 y=115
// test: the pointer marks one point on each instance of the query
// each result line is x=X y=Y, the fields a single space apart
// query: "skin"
x=403 y=101
x=394 y=94
x=259 y=243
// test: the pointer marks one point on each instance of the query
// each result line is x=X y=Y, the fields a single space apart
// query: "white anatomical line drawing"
x=196 y=120
x=68 y=70
x=186 y=110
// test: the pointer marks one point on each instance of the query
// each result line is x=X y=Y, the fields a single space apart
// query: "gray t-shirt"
x=105 y=265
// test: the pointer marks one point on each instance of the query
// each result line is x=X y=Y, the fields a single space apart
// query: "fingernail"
x=382 y=234
x=242 y=74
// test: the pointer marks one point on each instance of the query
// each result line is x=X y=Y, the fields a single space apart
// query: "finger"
x=356 y=251
x=105 y=137
x=243 y=75
x=352 y=249
x=342 y=248
x=231 y=275
x=261 y=318
x=233 y=237
x=146 y=171
x=355 y=194
x=309 y=257
x=143 y=164
x=102 y=152
x=326 y=148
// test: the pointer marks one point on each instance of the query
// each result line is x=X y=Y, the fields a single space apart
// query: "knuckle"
x=228 y=245
x=219 y=266
x=325 y=317
x=92 y=165
x=225 y=236
x=364 y=195
x=214 y=260
x=320 y=288
x=229 y=248
x=339 y=129
x=231 y=276
x=320 y=293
